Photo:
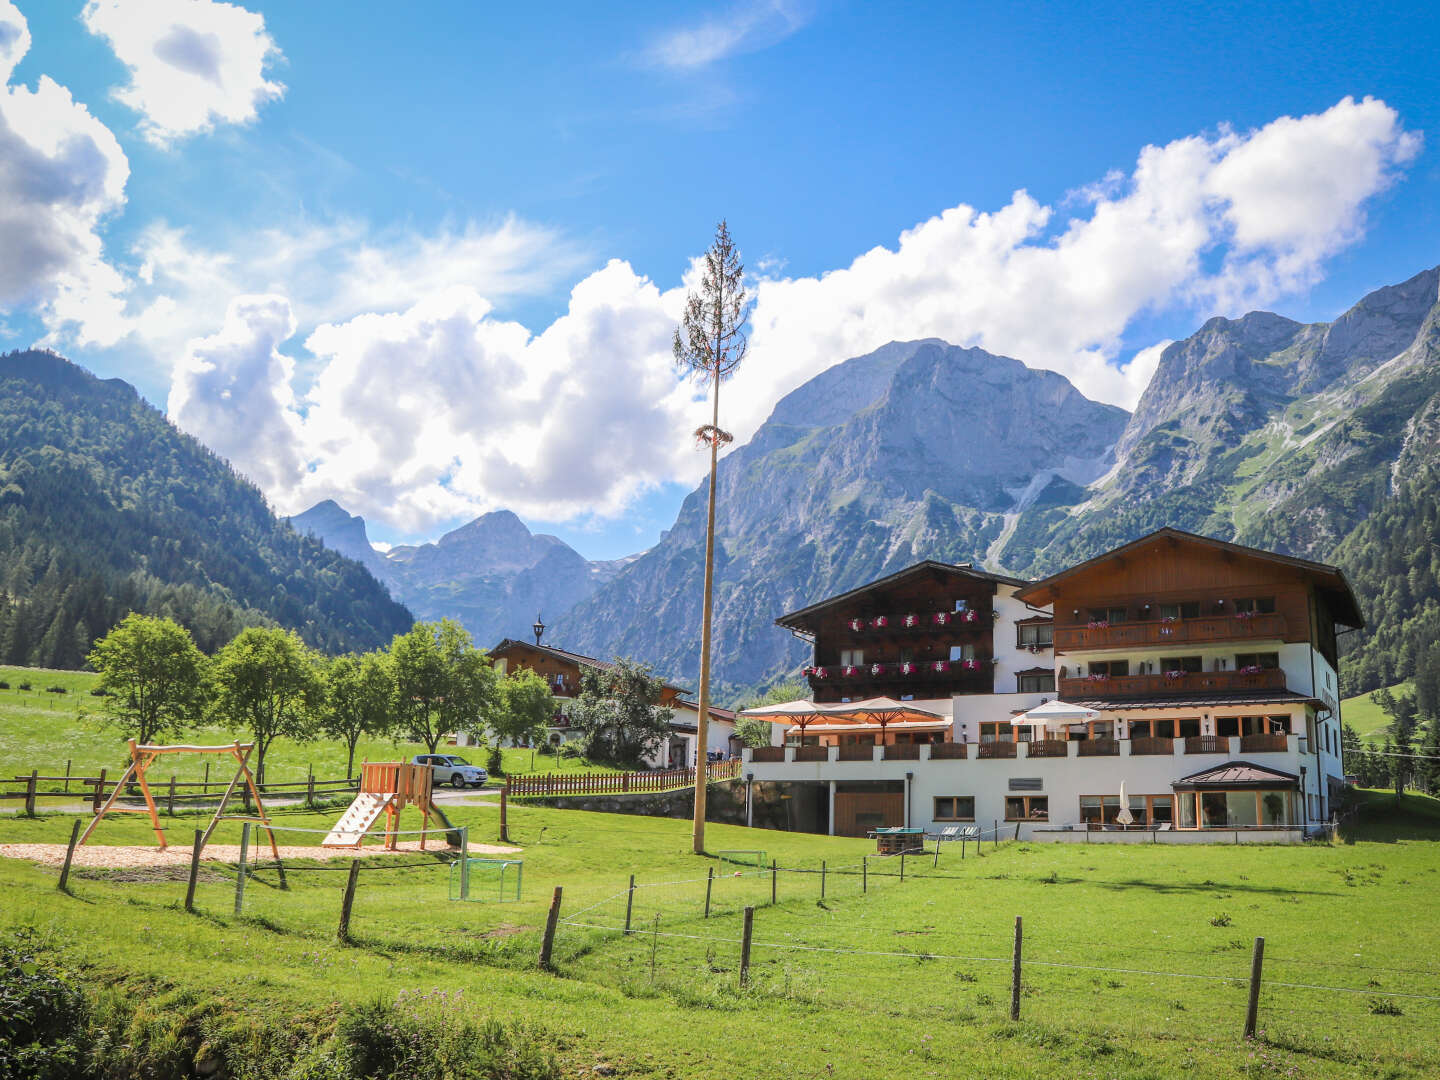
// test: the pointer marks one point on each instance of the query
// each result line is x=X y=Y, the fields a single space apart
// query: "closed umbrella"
x=1124 y=817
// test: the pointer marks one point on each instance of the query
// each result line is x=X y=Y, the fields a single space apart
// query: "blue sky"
x=369 y=254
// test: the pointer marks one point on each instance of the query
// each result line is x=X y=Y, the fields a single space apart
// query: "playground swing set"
x=385 y=788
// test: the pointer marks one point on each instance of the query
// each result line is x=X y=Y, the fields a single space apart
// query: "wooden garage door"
x=857 y=812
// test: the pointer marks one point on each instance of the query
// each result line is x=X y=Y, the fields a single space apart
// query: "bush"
x=568 y=750
x=99 y=691
x=24 y=686
x=4 y=685
x=546 y=748
x=428 y=1037
x=494 y=760
x=42 y=1019
x=56 y=690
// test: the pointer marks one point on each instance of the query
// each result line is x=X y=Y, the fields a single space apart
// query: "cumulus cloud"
x=423 y=414
x=61 y=175
x=744 y=28
x=193 y=63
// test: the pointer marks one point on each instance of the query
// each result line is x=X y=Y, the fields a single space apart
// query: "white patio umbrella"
x=1124 y=817
x=1057 y=712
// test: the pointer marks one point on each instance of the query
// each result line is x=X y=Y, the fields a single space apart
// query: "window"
x=1038 y=684
x=907 y=655
x=1041 y=635
x=1111 y=615
x=1185 y=609
x=1027 y=808
x=1256 y=605
x=961 y=605
x=852 y=657
x=1233 y=809
x=962 y=652
x=1189 y=726
x=1181 y=663
x=955 y=808
x=1114 y=668
x=997 y=731
x=1144 y=809
x=1267 y=661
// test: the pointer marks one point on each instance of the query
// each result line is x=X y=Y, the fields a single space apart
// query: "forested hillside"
x=105 y=507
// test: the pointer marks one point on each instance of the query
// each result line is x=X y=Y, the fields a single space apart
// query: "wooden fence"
x=95 y=789
x=616 y=783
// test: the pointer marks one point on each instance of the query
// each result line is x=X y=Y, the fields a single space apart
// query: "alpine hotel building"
x=1196 y=676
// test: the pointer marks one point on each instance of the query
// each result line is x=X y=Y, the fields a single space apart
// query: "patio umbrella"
x=1124 y=817
x=1059 y=712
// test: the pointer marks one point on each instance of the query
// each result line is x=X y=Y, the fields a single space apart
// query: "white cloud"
x=441 y=409
x=746 y=27
x=61 y=174
x=193 y=63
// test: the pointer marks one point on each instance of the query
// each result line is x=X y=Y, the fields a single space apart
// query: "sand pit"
x=99 y=856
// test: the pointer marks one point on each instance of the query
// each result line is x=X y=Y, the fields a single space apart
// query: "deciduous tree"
x=619 y=712
x=268 y=684
x=359 y=701
x=156 y=678
x=526 y=705
x=442 y=682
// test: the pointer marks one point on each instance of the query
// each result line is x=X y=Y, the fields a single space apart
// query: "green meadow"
x=1135 y=958
x=1367 y=718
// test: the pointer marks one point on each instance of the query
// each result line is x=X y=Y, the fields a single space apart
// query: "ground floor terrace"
x=1264 y=786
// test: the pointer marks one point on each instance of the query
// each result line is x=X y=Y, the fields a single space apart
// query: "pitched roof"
x=790 y=620
x=1331 y=579
x=1242 y=774
x=716 y=713
x=1197 y=701
x=579 y=659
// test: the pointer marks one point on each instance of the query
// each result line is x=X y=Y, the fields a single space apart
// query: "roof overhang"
x=1237 y=775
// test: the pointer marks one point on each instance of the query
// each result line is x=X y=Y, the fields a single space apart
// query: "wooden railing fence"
x=616 y=783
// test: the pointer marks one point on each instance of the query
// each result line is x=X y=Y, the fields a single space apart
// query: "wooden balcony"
x=857 y=751
x=1156 y=745
x=947 y=751
x=903 y=752
x=1264 y=744
x=1047 y=748
x=1192 y=682
x=768 y=753
x=1207 y=744
x=1129 y=635
x=812 y=753
x=995 y=750
x=1098 y=748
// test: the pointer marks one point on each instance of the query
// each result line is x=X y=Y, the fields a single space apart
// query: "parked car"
x=452 y=770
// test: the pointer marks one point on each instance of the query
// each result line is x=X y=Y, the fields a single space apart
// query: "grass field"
x=1136 y=957
x=43 y=730
x=1367 y=718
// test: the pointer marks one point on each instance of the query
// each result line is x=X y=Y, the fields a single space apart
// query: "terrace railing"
x=995 y=749
x=1207 y=744
x=1151 y=744
x=947 y=751
x=1098 y=748
x=1037 y=748
x=1263 y=744
x=623 y=783
x=1190 y=682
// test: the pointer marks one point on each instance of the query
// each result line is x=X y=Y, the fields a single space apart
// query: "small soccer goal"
x=743 y=857
x=486 y=881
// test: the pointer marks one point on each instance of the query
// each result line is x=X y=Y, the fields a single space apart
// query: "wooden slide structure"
x=386 y=787
x=142 y=757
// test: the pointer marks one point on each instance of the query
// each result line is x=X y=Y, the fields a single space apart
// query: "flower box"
x=941 y=618
x=857 y=624
x=1099 y=624
x=912 y=621
x=879 y=622
x=820 y=673
x=1173 y=675
x=877 y=669
x=908 y=668
x=941 y=666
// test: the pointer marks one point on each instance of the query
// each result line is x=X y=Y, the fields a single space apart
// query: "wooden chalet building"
x=1196 y=677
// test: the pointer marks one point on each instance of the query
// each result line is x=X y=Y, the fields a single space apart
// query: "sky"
x=426 y=260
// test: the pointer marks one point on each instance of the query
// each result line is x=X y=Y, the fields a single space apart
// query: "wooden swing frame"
x=142 y=757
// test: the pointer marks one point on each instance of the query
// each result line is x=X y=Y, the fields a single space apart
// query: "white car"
x=452 y=770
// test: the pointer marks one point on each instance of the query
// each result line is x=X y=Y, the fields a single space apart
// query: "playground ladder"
x=356 y=821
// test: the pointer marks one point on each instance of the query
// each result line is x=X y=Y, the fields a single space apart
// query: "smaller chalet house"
x=562 y=670
x=1176 y=684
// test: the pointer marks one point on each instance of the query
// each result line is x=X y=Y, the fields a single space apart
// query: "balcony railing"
x=1098 y=748
x=1262 y=744
x=768 y=753
x=1207 y=744
x=920 y=671
x=947 y=751
x=1176 y=632
x=995 y=749
x=1047 y=748
x=1151 y=744
x=812 y=753
x=902 y=752
x=924 y=623
x=857 y=752
x=1190 y=682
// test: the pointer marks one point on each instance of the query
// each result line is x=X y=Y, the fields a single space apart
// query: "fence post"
x=774 y=867
x=1252 y=1008
x=170 y=803
x=864 y=873
x=464 y=862
x=995 y=835
x=194 y=871
x=64 y=884
x=30 y=793
x=1015 y=976
x=310 y=791
x=342 y=935
x=240 y=875
x=548 y=942
x=745 y=946
x=902 y=865
x=99 y=793
x=504 y=820
x=629 y=903
x=822 y=879
x=1017 y=832
x=205 y=784
x=67 y=776
x=709 y=884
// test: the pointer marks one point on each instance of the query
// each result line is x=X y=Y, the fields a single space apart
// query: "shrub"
x=1220 y=920
x=42 y=1019
x=568 y=750
x=428 y=1035
x=24 y=686
x=494 y=760
x=4 y=685
x=56 y=690
x=99 y=691
x=548 y=749
x=1384 y=1007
